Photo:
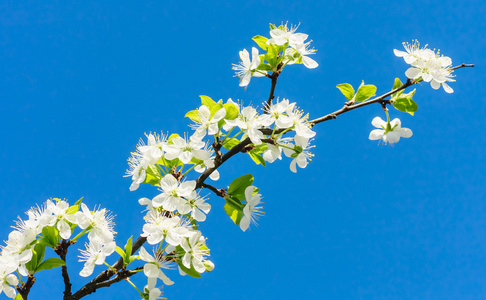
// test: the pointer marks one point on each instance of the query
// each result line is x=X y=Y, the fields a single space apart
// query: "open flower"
x=152 y=269
x=251 y=212
x=390 y=132
x=246 y=69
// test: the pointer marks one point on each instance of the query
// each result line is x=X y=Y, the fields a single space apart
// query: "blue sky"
x=82 y=81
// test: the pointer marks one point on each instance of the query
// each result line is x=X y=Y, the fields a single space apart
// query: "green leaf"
x=215 y=108
x=191 y=272
x=40 y=250
x=153 y=176
x=239 y=185
x=231 y=111
x=207 y=101
x=405 y=103
x=171 y=137
x=396 y=85
x=128 y=250
x=261 y=41
x=272 y=27
x=193 y=115
x=32 y=264
x=365 y=92
x=50 y=235
x=235 y=213
x=347 y=90
x=272 y=55
x=257 y=158
x=264 y=67
x=72 y=209
x=50 y=263
x=79 y=201
x=120 y=252
x=230 y=143
x=18 y=297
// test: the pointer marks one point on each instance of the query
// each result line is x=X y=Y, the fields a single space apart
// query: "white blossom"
x=173 y=193
x=152 y=269
x=95 y=254
x=207 y=124
x=159 y=227
x=251 y=212
x=99 y=221
x=389 y=132
x=196 y=251
x=300 y=153
x=246 y=69
x=185 y=150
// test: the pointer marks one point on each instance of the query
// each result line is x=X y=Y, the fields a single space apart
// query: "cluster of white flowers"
x=427 y=65
x=57 y=214
x=101 y=244
x=291 y=47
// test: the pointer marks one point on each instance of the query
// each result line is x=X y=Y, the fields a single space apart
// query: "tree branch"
x=273 y=77
x=92 y=286
x=24 y=289
x=220 y=192
x=62 y=250
x=347 y=107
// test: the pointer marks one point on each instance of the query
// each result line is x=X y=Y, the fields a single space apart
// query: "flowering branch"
x=173 y=217
x=379 y=99
x=104 y=276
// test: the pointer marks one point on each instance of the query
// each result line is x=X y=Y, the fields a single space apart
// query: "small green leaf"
x=191 y=272
x=257 y=158
x=365 y=92
x=50 y=235
x=261 y=41
x=79 y=201
x=233 y=211
x=230 y=143
x=171 y=137
x=120 y=252
x=406 y=104
x=215 y=108
x=272 y=26
x=153 y=176
x=193 y=115
x=264 y=67
x=207 y=101
x=239 y=185
x=128 y=250
x=231 y=111
x=396 y=85
x=32 y=264
x=40 y=250
x=347 y=90
x=50 y=263
x=72 y=209
x=18 y=297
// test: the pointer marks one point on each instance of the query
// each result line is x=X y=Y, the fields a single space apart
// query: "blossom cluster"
x=427 y=65
x=173 y=216
x=46 y=226
x=285 y=47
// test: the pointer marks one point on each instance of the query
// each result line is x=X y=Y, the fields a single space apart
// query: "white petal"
x=412 y=73
x=215 y=175
x=447 y=88
x=376 y=134
x=378 y=122
x=435 y=85
x=309 y=62
x=244 y=223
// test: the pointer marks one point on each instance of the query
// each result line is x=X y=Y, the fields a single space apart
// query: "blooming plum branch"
x=179 y=165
